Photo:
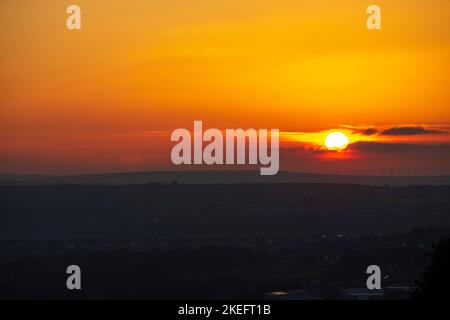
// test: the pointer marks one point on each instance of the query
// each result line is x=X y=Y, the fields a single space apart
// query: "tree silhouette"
x=435 y=281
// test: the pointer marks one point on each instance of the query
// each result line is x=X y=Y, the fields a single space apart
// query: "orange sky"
x=107 y=97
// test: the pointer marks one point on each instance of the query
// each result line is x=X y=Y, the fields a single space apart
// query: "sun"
x=336 y=141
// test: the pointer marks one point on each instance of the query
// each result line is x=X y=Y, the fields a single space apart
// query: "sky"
x=107 y=97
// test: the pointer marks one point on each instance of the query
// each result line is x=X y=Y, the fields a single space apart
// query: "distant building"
x=290 y=295
x=362 y=294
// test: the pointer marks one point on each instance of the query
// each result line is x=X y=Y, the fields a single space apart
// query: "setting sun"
x=336 y=141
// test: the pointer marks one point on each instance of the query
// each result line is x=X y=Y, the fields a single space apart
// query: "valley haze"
x=216 y=177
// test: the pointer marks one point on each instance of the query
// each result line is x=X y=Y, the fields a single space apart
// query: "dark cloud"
x=380 y=146
x=409 y=131
x=301 y=150
x=366 y=131
x=292 y=149
x=399 y=147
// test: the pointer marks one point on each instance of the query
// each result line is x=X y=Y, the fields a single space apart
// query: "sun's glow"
x=336 y=141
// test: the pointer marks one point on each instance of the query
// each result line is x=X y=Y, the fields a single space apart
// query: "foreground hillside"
x=216 y=211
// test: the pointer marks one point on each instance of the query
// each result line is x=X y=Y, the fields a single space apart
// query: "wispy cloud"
x=366 y=131
x=409 y=131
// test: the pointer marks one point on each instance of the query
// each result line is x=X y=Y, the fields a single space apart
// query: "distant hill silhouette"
x=216 y=177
